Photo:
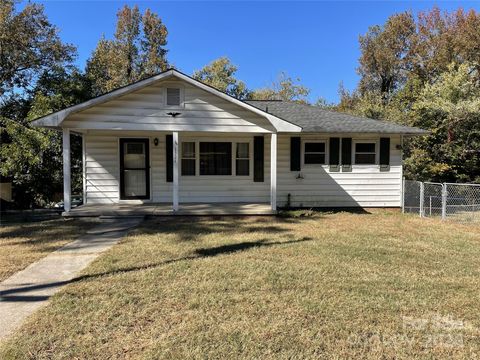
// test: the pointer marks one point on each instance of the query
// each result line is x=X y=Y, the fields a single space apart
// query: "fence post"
x=421 y=198
x=444 y=201
x=403 y=195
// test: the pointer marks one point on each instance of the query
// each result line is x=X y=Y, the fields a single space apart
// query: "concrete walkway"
x=28 y=290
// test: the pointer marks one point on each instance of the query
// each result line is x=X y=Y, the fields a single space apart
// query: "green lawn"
x=23 y=243
x=328 y=285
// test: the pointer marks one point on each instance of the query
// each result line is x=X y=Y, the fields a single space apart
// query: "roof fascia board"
x=371 y=133
x=55 y=119
x=277 y=122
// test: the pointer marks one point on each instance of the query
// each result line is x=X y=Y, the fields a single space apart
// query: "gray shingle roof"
x=315 y=119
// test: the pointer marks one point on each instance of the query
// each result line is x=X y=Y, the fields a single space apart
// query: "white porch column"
x=273 y=172
x=67 y=183
x=175 y=171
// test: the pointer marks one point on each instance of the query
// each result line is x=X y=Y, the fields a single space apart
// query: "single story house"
x=172 y=139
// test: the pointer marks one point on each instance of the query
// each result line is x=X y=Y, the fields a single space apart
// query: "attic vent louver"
x=173 y=96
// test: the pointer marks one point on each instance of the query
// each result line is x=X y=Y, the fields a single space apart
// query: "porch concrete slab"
x=28 y=290
x=165 y=209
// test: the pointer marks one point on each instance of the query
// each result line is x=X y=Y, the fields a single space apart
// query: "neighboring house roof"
x=315 y=119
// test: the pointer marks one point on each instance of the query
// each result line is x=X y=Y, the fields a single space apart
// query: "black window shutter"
x=384 y=154
x=295 y=154
x=346 y=154
x=334 y=157
x=169 y=152
x=258 y=158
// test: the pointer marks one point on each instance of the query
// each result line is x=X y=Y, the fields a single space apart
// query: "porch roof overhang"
x=56 y=119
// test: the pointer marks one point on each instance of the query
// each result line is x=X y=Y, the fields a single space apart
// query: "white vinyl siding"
x=206 y=117
x=102 y=167
x=102 y=172
x=364 y=186
x=226 y=188
x=146 y=109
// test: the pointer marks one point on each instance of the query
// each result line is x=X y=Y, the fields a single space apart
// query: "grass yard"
x=328 y=285
x=24 y=243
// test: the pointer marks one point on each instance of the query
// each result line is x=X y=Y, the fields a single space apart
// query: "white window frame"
x=242 y=158
x=325 y=141
x=188 y=158
x=364 y=141
x=233 y=143
x=182 y=96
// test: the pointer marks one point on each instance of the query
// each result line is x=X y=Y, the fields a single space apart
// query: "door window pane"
x=135 y=184
x=134 y=155
x=215 y=158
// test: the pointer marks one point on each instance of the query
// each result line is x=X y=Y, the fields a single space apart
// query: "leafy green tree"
x=220 y=74
x=34 y=67
x=136 y=52
x=153 y=44
x=102 y=67
x=425 y=72
x=324 y=104
x=284 y=88
x=32 y=157
x=450 y=107
x=29 y=45
x=384 y=50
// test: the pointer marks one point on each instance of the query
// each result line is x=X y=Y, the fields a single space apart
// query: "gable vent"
x=173 y=96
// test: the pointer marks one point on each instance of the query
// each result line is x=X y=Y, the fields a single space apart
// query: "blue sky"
x=314 y=41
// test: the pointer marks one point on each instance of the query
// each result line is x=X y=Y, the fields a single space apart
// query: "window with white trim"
x=315 y=152
x=188 y=158
x=365 y=153
x=173 y=97
x=242 y=159
x=215 y=158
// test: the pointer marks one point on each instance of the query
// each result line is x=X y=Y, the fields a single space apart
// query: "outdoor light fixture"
x=155 y=141
x=174 y=114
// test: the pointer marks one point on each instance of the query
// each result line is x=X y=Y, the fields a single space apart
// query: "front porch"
x=165 y=209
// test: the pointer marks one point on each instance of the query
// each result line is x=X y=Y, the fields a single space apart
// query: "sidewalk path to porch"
x=29 y=289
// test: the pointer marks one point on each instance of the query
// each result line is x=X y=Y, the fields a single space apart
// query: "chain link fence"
x=458 y=202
